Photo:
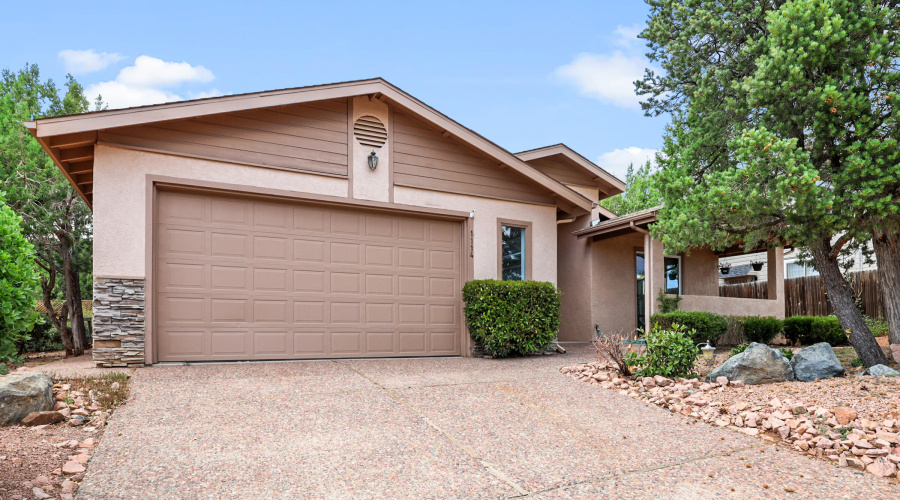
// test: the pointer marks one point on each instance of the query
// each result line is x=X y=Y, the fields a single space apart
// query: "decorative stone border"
x=118 y=323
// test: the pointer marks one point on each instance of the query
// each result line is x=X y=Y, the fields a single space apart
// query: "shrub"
x=615 y=348
x=762 y=329
x=877 y=326
x=739 y=349
x=735 y=333
x=670 y=352
x=511 y=317
x=704 y=326
x=787 y=353
x=44 y=338
x=796 y=326
x=18 y=286
x=810 y=330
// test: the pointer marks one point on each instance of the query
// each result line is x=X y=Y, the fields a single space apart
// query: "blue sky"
x=523 y=74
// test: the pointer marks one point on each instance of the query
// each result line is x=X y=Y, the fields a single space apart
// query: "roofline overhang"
x=592 y=169
x=566 y=198
x=624 y=223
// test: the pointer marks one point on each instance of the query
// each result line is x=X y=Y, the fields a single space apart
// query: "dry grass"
x=110 y=390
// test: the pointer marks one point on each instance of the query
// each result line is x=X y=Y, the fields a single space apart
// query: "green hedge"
x=511 y=317
x=762 y=329
x=705 y=326
x=810 y=330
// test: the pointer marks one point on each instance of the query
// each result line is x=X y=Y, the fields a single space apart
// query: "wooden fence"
x=806 y=296
x=87 y=306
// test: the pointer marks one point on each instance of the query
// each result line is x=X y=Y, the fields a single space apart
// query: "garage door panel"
x=381 y=343
x=229 y=310
x=310 y=311
x=229 y=245
x=239 y=278
x=346 y=343
x=273 y=344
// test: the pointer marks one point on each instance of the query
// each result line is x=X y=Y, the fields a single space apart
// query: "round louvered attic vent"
x=369 y=131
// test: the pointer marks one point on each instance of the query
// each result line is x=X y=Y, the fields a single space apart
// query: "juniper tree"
x=784 y=129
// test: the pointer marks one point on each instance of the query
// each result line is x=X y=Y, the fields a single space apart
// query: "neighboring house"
x=340 y=221
x=741 y=270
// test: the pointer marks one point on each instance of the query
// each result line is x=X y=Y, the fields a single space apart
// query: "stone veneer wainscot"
x=118 y=323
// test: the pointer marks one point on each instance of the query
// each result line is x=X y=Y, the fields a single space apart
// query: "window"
x=673 y=275
x=515 y=261
x=795 y=270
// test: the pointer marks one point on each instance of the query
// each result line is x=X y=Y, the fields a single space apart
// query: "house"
x=334 y=221
x=616 y=271
x=741 y=270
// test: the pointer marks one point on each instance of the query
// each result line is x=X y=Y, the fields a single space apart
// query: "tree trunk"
x=59 y=319
x=73 y=297
x=887 y=254
x=841 y=296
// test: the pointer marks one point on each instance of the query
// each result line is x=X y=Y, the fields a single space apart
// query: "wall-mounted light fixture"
x=373 y=160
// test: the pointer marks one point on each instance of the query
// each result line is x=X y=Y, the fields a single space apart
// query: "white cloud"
x=152 y=72
x=145 y=82
x=610 y=77
x=616 y=162
x=86 y=61
x=120 y=95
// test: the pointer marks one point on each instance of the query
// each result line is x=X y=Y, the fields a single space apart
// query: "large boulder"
x=881 y=370
x=759 y=364
x=817 y=361
x=23 y=393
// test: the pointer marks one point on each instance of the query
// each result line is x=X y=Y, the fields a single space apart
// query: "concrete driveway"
x=429 y=428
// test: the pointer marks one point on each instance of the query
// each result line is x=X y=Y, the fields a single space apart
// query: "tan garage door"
x=244 y=278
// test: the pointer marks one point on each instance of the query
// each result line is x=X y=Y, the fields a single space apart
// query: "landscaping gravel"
x=426 y=428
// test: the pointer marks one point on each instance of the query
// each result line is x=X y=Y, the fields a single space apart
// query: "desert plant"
x=787 y=353
x=762 y=329
x=739 y=349
x=511 y=317
x=615 y=348
x=670 y=352
x=705 y=326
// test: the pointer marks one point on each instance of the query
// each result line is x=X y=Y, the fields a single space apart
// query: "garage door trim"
x=164 y=183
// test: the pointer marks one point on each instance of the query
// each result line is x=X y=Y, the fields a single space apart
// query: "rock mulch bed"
x=47 y=454
x=852 y=422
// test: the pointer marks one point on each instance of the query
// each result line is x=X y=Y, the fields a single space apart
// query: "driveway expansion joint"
x=453 y=440
x=642 y=470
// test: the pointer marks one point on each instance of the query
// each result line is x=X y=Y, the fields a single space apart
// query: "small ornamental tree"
x=18 y=285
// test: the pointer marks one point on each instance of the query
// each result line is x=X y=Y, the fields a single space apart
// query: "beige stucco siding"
x=574 y=270
x=487 y=211
x=701 y=273
x=120 y=204
x=614 y=284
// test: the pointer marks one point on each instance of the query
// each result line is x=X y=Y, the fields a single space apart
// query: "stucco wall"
x=592 y=194
x=574 y=268
x=120 y=204
x=614 y=285
x=487 y=211
x=701 y=273
x=371 y=184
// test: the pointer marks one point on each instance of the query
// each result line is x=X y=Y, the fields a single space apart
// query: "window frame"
x=526 y=225
x=680 y=274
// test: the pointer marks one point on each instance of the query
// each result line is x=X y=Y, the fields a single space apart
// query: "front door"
x=639 y=267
